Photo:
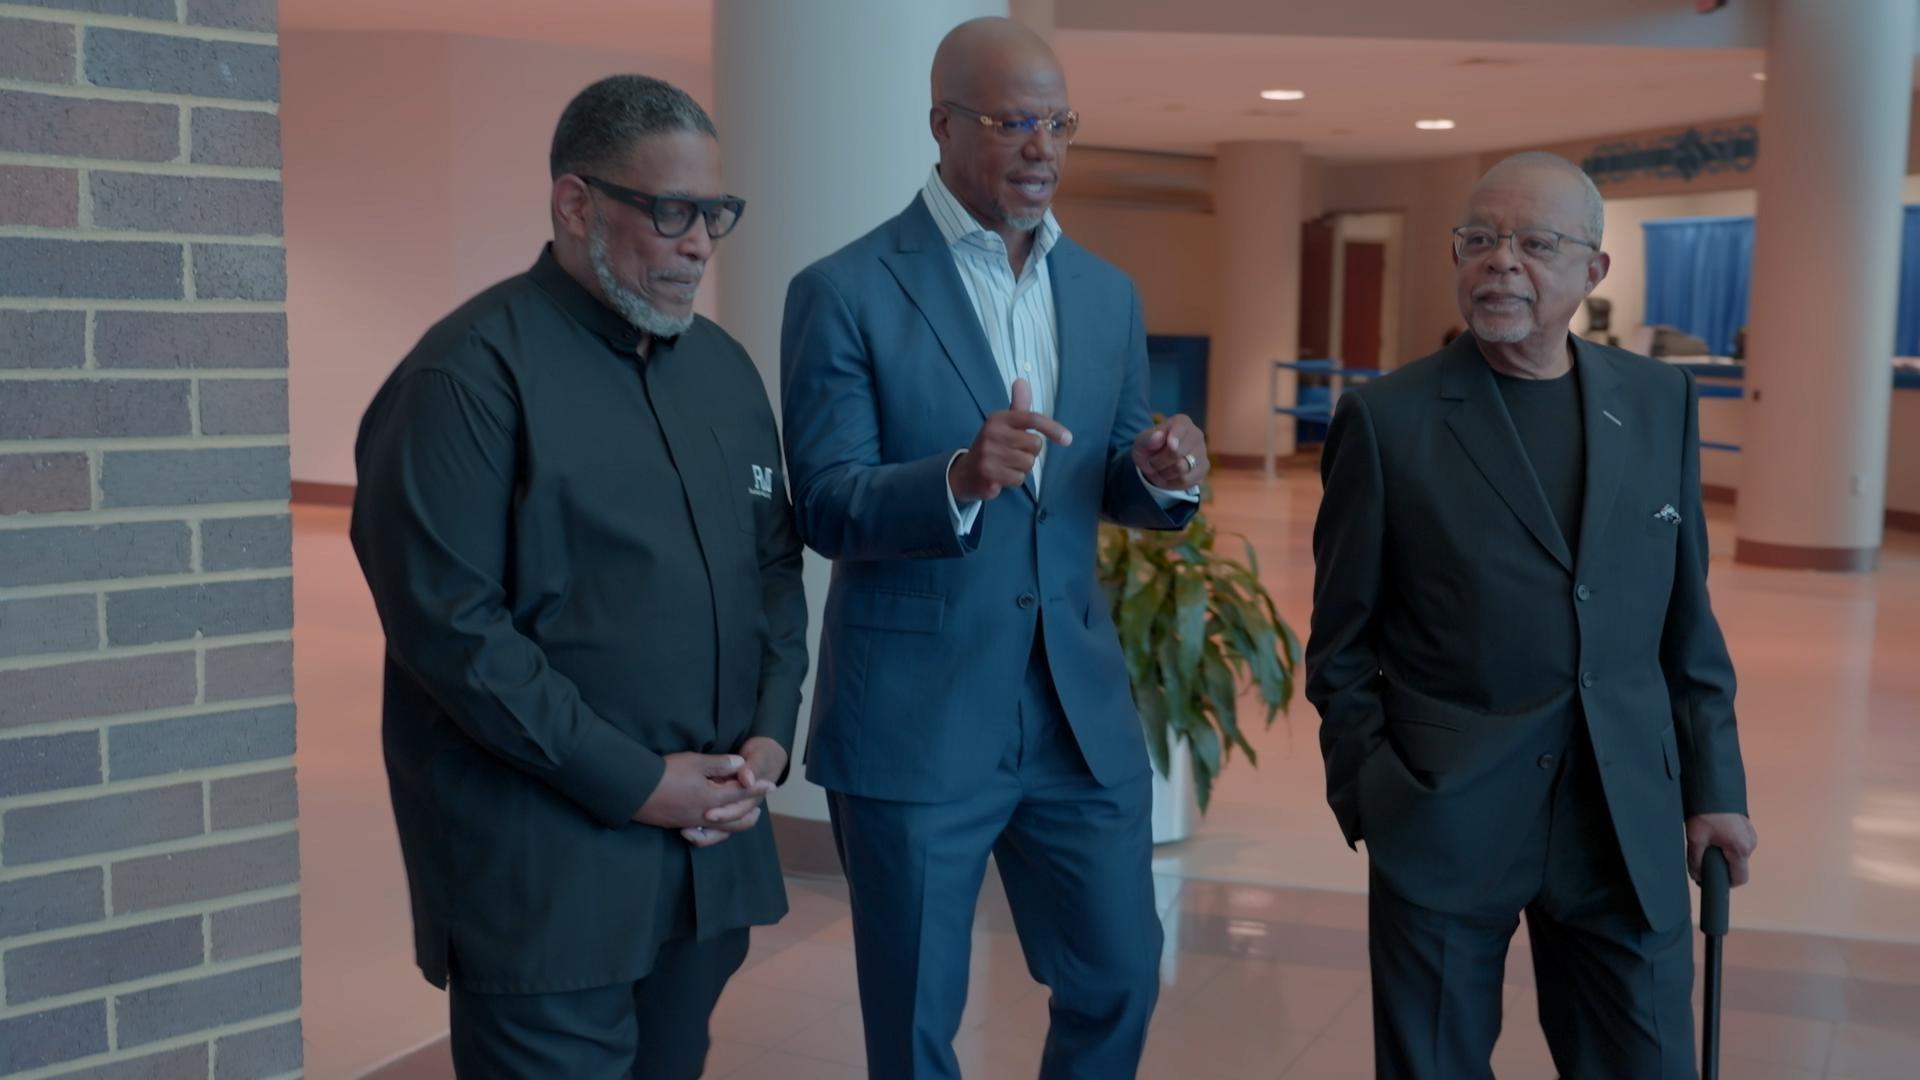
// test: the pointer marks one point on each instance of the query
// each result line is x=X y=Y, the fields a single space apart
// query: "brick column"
x=149 y=912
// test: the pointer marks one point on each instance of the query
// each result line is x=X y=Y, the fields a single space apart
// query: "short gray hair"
x=1596 y=205
x=602 y=123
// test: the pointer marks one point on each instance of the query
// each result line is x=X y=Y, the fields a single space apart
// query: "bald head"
x=993 y=81
x=982 y=57
x=1550 y=179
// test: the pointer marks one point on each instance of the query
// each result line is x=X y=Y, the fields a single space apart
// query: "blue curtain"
x=1906 y=334
x=1698 y=270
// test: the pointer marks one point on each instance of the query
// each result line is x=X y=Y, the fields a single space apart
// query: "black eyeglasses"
x=1060 y=126
x=673 y=215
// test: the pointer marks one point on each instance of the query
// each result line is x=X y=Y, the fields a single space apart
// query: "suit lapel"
x=1071 y=315
x=1480 y=422
x=1606 y=419
x=923 y=266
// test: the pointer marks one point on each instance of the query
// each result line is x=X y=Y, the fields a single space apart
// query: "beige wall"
x=1172 y=256
x=415 y=176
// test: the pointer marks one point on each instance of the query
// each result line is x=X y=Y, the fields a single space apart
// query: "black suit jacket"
x=1456 y=637
x=583 y=563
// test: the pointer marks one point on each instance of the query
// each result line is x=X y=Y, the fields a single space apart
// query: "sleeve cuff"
x=1166 y=497
x=963 y=518
x=610 y=775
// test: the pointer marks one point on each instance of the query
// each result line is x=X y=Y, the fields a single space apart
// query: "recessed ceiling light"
x=1760 y=76
x=1434 y=125
x=1283 y=95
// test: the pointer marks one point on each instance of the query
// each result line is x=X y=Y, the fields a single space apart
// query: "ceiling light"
x=1760 y=76
x=1434 y=125
x=1283 y=95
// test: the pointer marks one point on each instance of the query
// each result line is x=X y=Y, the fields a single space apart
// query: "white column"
x=1258 y=188
x=1833 y=154
x=822 y=109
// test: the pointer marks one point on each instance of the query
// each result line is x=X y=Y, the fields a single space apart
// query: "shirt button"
x=1586 y=678
x=1545 y=761
x=1582 y=592
x=1027 y=601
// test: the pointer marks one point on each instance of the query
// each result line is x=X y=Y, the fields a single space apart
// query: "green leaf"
x=1168 y=662
x=1140 y=612
x=1204 y=744
x=1190 y=614
x=1153 y=717
x=1196 y=628
x=1222 y=695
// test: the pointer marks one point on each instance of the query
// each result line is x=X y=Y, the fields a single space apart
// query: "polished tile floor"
x=1264 y=972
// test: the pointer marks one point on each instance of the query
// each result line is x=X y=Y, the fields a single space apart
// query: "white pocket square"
x=1667 y=514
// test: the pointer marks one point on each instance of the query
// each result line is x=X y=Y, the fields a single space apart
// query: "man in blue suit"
x=965 y=399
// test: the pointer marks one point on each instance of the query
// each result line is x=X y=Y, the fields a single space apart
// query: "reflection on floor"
x=1264 y=971
x=1261 y=982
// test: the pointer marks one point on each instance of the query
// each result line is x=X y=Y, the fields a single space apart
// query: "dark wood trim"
x=1904 y=520
x=314 y=493
x=1796 y=557
x=806 y=846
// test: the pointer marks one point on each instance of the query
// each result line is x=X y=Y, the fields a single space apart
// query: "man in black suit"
x=1526 y=703
x=572 y=519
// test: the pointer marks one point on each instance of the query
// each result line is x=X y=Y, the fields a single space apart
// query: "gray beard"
x=631 y=305
x=1025 y=224
x=1505 y=336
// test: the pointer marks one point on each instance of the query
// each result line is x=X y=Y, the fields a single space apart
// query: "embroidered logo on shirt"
x=762 y=482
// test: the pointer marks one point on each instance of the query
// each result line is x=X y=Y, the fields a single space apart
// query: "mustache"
x=677 y=277
x=1486 y=291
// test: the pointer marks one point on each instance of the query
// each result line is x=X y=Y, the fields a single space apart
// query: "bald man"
x=965 y=398
x=1526 y=704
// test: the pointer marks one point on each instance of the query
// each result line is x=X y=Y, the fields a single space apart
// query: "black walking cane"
x=1714 y=887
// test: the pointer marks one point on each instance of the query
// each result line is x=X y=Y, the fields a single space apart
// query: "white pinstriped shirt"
x=1016 y=313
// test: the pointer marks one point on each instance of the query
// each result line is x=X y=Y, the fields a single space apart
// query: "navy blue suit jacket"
x=885 y=373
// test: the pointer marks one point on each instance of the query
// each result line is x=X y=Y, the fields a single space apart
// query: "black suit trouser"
x=1614 y=996
x=653 y=1028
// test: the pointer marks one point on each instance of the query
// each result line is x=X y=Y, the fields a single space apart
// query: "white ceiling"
x=1186 y=92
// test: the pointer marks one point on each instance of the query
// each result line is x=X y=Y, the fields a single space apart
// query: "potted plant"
x=1196 y=627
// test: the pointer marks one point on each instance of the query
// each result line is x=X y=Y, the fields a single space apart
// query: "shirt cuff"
x=963 y=517
x=1165 y=497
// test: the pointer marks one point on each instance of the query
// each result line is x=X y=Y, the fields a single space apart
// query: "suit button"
x=1043 y=516
x=1545 y=761
x=1027 y=600
x=1586 y=678
x=1582 y=592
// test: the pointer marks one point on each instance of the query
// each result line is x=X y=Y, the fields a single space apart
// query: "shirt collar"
x=959 y=227
x=586 y=308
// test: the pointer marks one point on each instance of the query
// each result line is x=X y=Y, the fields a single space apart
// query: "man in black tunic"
x=1526 y=703
x=573 y=519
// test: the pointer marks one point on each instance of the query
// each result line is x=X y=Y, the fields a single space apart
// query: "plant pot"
x=1176 y=807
